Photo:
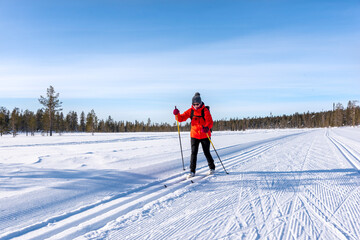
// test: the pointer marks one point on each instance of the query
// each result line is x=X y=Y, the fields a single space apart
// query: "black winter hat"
x=196 y=98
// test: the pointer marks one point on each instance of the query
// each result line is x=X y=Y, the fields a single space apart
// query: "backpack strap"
x=202 y=112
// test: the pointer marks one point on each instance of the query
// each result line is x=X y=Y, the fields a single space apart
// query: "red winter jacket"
x=198 y=121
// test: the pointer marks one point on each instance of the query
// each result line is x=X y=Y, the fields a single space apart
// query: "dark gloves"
x=205 y=130
x=176 y=111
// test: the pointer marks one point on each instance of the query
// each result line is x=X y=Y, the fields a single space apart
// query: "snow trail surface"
x=283 y=184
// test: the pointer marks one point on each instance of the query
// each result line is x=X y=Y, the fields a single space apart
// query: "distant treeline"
x=38 y=122
x=30 y=123
x=339 y=116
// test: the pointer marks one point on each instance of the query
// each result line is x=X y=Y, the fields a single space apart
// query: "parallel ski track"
x=310 y=213
x=307 y=201
x=346 y=151
x=320 y=210
x=305 y=209
x=353 y=158
x=289 y=230
x=94 y=216
x=211 y=212
x=258 y=208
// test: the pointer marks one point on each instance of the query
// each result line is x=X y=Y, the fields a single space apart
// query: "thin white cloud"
x=245 y=63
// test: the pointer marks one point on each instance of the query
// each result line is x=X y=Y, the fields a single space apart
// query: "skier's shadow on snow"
x=292 y=180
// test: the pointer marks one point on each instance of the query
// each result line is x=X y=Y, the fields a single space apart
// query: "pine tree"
x=26 y=121
x=351 y=113
x=4 y=121
x=46 y=123
x=52 y=105
x=82 y=122
x=32 y=123
x=71 y=122
x=91 y=122
x=39 y=120
x=62 y=123
x=14 y=121
x=339 y=115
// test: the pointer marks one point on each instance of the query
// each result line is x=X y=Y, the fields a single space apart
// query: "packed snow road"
x=283 y=184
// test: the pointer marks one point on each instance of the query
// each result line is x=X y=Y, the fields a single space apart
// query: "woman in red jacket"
x=201 y=123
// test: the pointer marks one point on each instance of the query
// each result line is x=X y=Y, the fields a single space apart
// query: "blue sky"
x=138 y=59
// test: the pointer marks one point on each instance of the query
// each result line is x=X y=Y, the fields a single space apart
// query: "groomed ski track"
x=302 y=185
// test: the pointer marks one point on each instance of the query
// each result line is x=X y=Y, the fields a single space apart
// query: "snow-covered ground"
x=282 y=184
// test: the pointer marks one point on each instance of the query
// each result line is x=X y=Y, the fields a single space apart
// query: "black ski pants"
x=205 y=143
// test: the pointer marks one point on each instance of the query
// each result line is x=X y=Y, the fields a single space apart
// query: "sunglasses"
x=196 y=104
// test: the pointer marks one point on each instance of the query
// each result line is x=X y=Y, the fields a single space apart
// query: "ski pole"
x=182 y=157
x=216 y=153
